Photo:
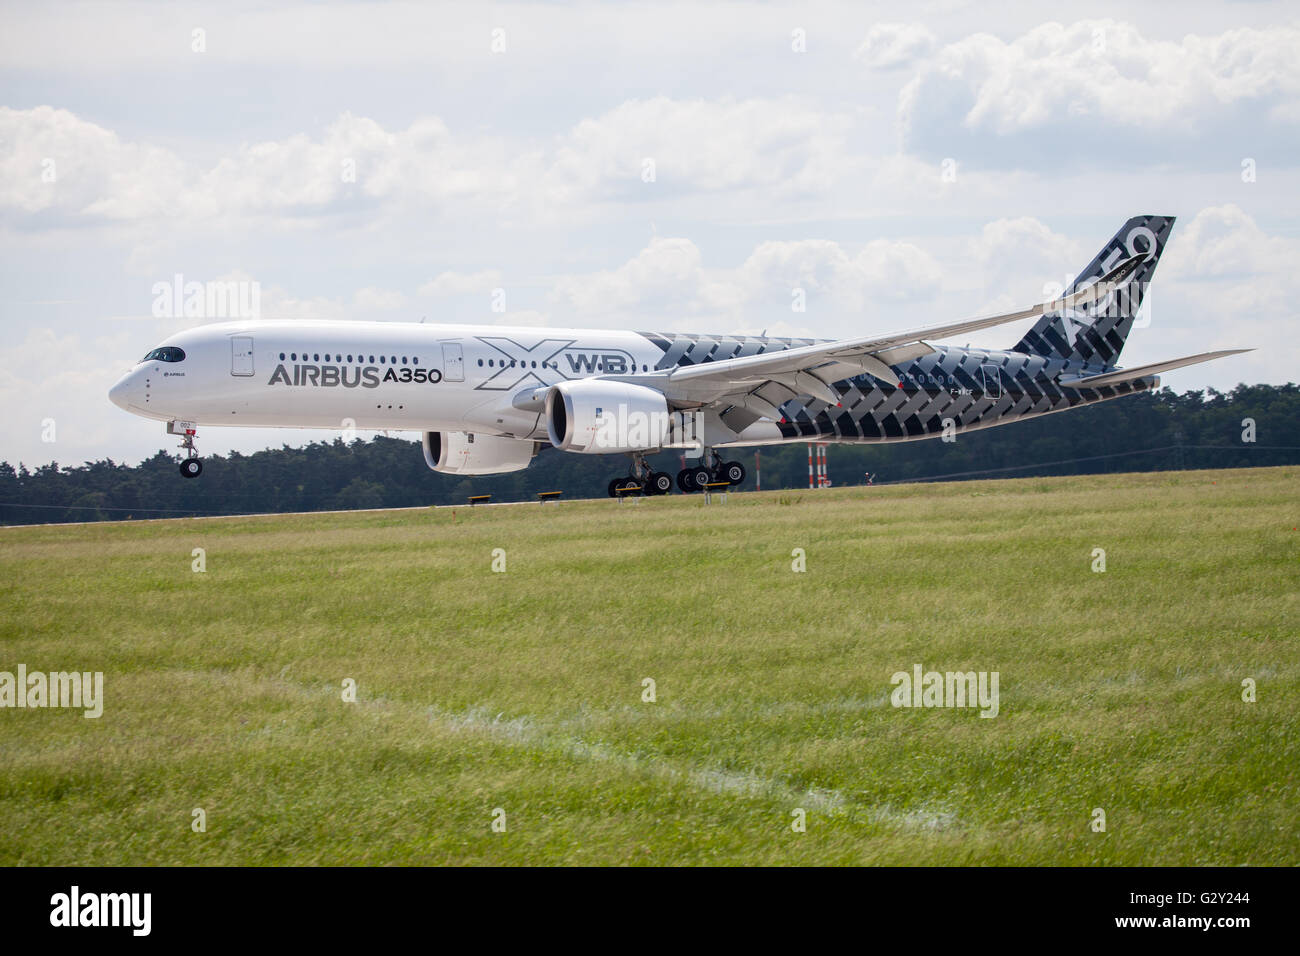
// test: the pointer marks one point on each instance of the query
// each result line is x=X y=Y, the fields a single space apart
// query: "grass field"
x=522 y=690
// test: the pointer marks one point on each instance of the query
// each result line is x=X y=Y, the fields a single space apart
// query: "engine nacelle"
x=463 y=453
x=594 y=417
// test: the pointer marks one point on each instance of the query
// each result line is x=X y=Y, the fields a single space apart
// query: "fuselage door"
x=992 y=381
x=241 y=355
x=453 y=362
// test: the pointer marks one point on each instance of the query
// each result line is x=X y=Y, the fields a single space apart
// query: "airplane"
x=487 y=399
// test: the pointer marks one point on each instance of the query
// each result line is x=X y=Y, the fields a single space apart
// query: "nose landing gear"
x=192 y=466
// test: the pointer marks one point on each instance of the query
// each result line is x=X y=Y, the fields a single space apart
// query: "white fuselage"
x=368 y=375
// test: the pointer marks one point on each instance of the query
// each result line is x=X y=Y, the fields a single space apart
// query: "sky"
x=646 y=166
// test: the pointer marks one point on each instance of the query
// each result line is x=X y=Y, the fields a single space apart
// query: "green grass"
x=522 y=690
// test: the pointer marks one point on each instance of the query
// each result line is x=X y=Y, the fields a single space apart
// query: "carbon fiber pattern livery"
x=962 y=388
x=974 y=388
x=1095 y=334
x=683 y=348
x=965 y=388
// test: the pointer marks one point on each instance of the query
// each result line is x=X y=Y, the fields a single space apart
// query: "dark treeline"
x=1146 y=432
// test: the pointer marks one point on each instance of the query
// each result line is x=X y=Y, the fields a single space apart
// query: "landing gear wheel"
x=685 y=481
x=699 y=478
x=660 y=483
x=733 y=472
x=191 y=468
x=614 y=485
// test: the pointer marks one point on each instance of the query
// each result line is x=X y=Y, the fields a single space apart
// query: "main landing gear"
x=711 y=469
x=192 y=466
x=641 y=480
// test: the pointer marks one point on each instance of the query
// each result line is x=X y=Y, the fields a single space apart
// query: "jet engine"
x=596 y=417
x=464 y=453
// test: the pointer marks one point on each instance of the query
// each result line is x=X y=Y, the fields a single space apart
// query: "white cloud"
x=884 y=270
x=1230 y=285
x=667 y=282
x=667 y=272
x=1022 y=261
x=1094 y=75
x=59 y=164
x=890 y=45
x=371 y=299
x=461 y=283
x=39 y=383
x=697 y=145
x=1224 y=241
x=357 y=167
x=279 y=304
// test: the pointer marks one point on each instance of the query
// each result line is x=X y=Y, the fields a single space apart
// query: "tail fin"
x=1095 y=333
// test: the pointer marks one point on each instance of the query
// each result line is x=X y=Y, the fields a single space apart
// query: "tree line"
x=1251 y=425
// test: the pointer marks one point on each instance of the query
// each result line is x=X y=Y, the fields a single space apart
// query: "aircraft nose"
x=120 y=394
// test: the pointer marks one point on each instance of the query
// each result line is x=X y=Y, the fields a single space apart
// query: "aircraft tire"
x=733 y=472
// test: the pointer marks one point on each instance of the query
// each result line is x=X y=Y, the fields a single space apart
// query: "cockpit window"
x=168 y=353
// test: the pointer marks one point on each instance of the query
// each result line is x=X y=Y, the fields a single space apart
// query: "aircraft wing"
x=762 y=383
x=1142 y=371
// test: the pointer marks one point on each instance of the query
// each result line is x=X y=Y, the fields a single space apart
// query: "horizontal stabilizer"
x=1143 y=371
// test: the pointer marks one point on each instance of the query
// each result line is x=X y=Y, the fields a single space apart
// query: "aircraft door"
x=992 y=375
x=453 y=362
x=241 y=355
